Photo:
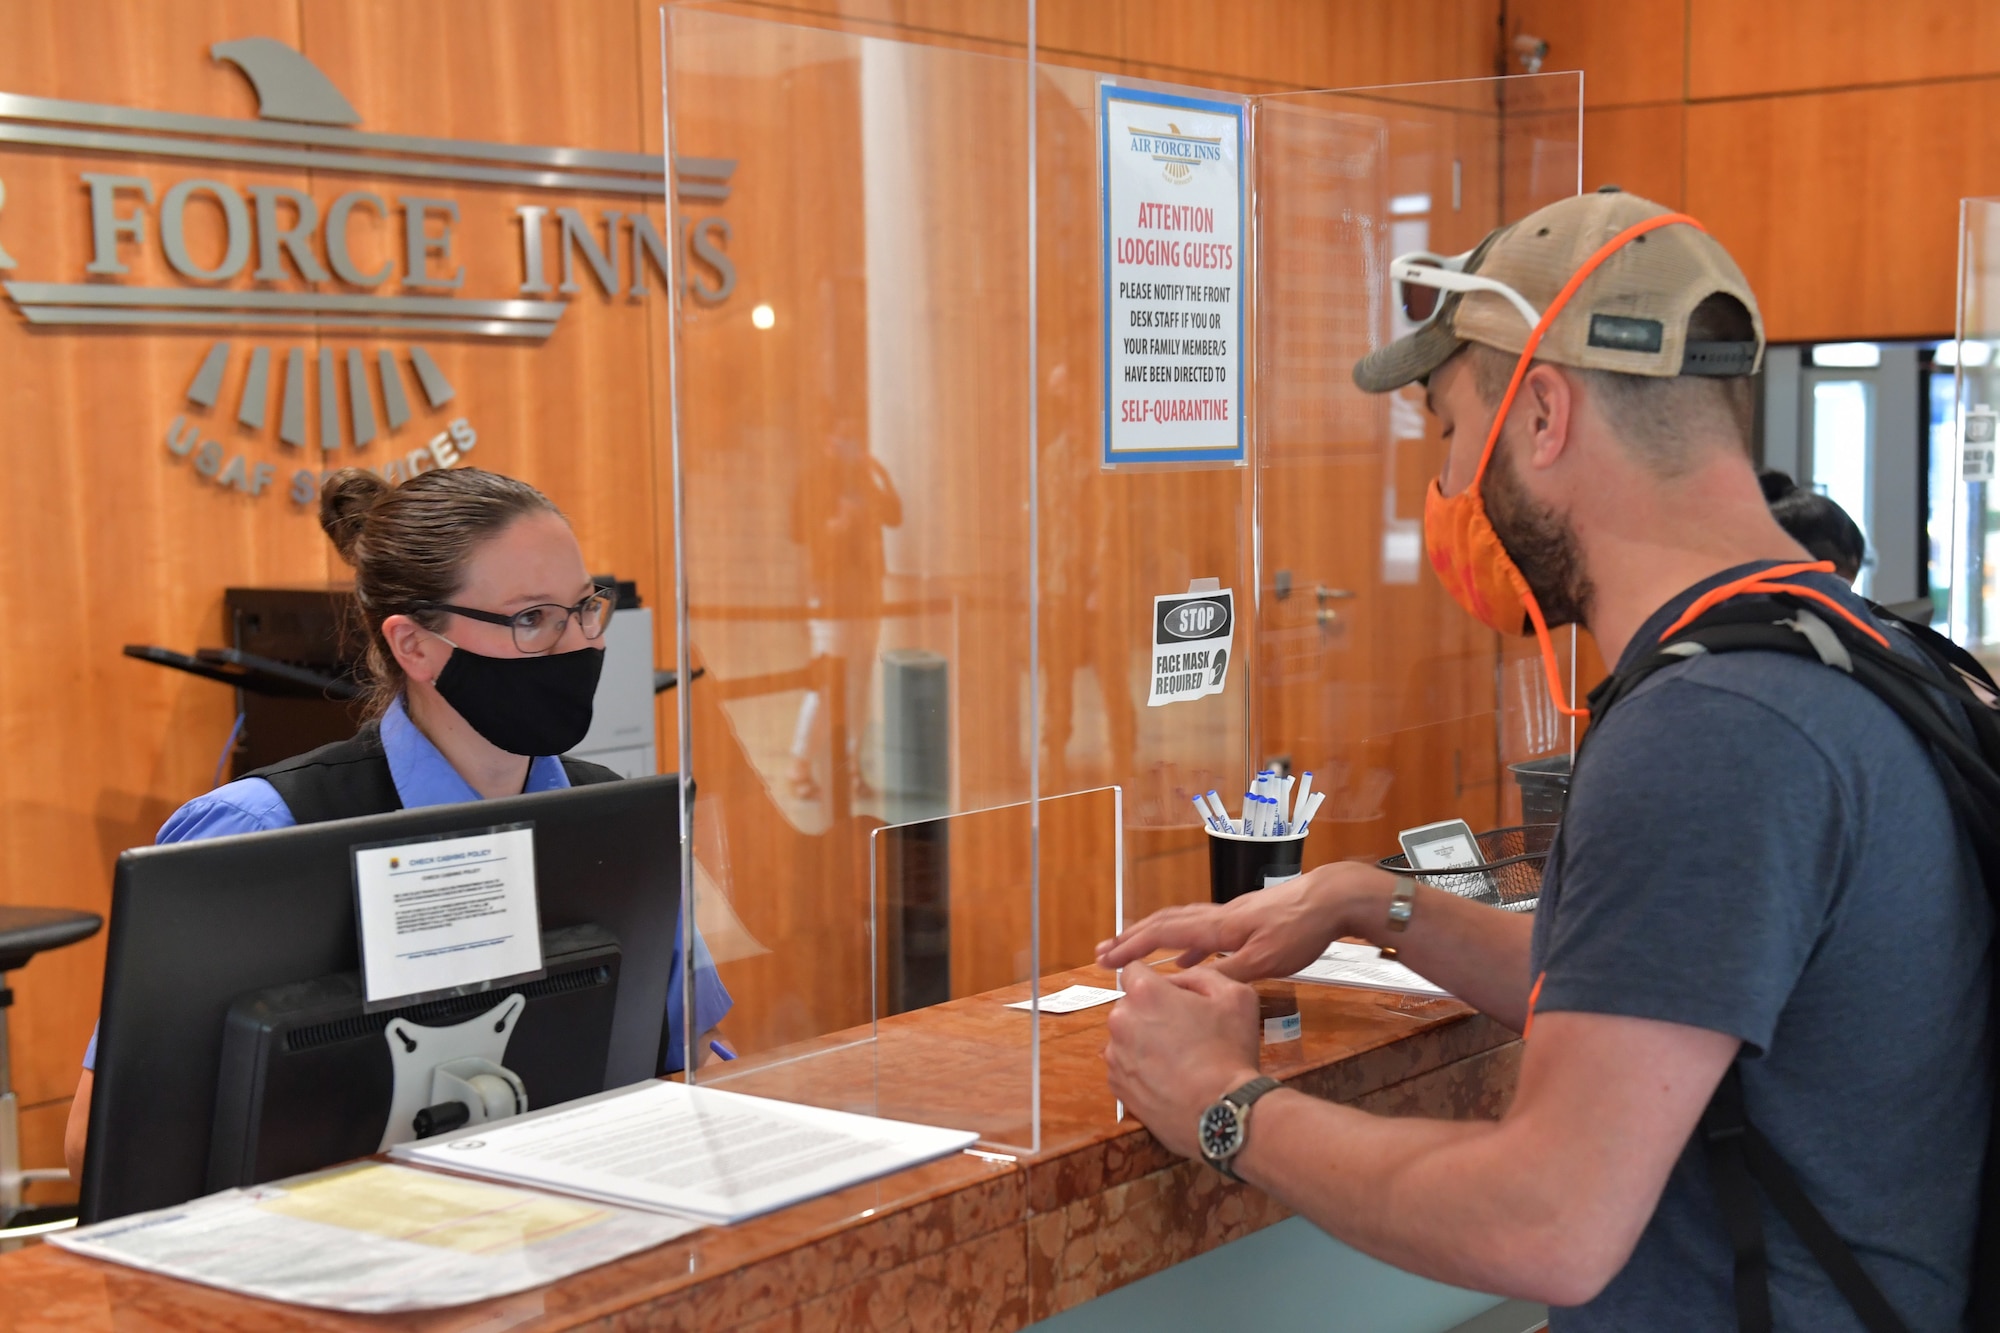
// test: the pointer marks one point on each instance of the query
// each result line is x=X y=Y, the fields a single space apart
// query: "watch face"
x=1221 y=1132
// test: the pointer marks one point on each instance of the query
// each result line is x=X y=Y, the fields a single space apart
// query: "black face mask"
x=524 y=705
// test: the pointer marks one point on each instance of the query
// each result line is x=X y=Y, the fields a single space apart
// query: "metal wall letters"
x=302 y=251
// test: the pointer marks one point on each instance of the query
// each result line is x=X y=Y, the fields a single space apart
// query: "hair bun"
x=345 y=500
x=1777 y=485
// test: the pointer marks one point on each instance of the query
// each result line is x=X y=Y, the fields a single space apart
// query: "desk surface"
x=967 y=1243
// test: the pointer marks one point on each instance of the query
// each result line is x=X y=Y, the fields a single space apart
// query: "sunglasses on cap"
x=1423 y=278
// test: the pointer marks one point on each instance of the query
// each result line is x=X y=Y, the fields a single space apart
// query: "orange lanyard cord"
x=1550 y=667
x=1765 y=582
x=1569 y=290
x=1548 y=648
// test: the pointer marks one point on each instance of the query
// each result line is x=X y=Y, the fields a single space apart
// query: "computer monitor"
x=196 y=927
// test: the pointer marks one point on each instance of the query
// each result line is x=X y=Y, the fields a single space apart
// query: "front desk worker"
x=1759 y=863
x=483 y=657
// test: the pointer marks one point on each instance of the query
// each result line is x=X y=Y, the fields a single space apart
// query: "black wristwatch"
x=1225 y=1126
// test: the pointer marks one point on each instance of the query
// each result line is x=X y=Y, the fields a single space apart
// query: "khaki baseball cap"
x=1630 y=316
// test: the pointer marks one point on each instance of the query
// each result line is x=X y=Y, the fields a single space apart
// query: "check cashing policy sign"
x=1173 y=277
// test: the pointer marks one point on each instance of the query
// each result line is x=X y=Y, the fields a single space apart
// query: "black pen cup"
x=1240 y=864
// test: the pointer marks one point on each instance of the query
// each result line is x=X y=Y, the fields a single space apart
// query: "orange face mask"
x=1466 y=552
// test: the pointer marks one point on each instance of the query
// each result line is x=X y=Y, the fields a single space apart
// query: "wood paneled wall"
x=1826 y=142
x=106 y=540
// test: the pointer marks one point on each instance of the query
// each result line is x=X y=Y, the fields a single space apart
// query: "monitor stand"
x=447 y=1078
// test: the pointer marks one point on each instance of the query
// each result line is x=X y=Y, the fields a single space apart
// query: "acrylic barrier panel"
x=996 y=26
x=1406 y=709
x=1353 y=663
x=1113 y=540
x=853 y=465
x=951 y=918
x=951 y=929
x=1969 y=578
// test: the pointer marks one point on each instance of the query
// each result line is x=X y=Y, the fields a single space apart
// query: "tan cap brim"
x=1412 y=357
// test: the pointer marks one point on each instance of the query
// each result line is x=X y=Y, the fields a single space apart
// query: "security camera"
x=1532 y=50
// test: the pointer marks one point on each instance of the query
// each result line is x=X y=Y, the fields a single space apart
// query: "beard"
x=1542 y=544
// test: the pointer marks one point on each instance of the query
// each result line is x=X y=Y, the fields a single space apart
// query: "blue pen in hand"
x=721 y=1050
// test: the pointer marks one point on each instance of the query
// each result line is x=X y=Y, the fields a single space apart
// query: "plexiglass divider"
x=924 y=605
x=1408 y=710
x=853 y=450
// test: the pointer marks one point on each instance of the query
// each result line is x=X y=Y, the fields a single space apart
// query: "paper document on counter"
x=698 y=1152
x=374 y=1239
x=1363 y=965
x=1072 y=998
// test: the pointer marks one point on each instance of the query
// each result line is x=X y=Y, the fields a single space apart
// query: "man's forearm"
x=1450 y=1200
x=1546 y=1203
x=1478 y=953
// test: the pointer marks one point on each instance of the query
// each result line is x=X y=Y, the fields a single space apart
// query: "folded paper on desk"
x=697 y=1152
x=373 y=1239
x=1363 y=966
x=1071 y=998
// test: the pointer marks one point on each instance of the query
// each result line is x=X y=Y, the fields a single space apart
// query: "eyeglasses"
x=538 y=629
x=1421 y=278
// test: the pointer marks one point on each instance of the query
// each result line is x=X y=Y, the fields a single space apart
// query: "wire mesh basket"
x=1509 y=874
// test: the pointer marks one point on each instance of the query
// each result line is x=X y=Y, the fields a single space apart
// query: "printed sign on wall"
x=1173 y=277
x=1191 y=634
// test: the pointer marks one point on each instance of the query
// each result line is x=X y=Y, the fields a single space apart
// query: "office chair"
x=25 y=932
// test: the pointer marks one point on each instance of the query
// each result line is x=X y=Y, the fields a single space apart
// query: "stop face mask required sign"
x=1191 y=637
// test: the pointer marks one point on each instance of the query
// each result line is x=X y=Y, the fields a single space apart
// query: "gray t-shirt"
x=1757 y=845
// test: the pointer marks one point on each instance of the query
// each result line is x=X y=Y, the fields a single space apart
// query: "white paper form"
x=447 y=913
x=375 y=1239
x=1072 y=998
x=1363 y=966
x=698 y=1152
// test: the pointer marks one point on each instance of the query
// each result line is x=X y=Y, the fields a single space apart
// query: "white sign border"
x=1106 y=91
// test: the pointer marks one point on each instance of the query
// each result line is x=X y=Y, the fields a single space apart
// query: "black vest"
x=351 y=778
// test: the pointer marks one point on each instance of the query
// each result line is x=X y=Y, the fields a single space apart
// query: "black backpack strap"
x=1907 y=687
x=1938 y=648
x=343 y=780
x=1740 y=1158
x=1722 y=1131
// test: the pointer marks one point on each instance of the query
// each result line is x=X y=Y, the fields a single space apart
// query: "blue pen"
x=1201 y=808
x=718 y=1048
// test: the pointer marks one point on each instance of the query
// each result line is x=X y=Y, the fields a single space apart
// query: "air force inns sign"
x=295 y=247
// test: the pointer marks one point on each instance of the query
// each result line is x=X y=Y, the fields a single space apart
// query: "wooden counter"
x=989 y=1242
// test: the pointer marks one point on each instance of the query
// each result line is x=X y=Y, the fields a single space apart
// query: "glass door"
x=1840 y=390
x=1940 y=377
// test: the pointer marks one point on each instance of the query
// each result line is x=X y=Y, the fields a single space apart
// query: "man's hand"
x=1476 y=952
x=1271 y=933
x=1178 y=1043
